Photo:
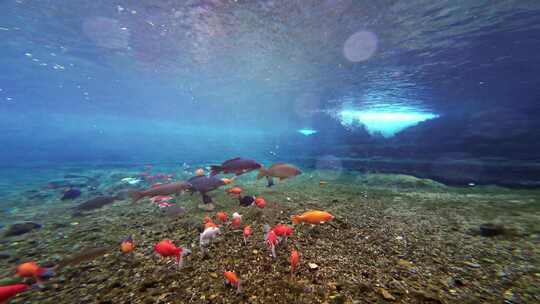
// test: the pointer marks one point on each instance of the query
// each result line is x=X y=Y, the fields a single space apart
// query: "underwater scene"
x=269 y=151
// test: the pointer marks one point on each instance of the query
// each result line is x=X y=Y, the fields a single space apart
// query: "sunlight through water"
x=385 y=123
x=307 y=132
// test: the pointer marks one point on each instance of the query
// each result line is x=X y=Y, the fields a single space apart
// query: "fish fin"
x=135 y=195
x=214 y=170
x=239 y=287
x=270 y=181
x=262 y=172
x=295 y=219
x=206 y=199
x=232 y=159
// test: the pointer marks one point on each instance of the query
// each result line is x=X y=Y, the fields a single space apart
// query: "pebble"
x=21 y=228
x=404 y=263
x=74 y=223
x=255 y=251
x=214 y=275
x=472 y=265
x=508 y=295
x=386 y=294
x=313 y=266
x=490 y=229
x=207 y=207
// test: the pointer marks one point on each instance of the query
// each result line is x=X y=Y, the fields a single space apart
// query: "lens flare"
x=360 y=46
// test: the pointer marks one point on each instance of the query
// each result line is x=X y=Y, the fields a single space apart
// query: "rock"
x=70 y=194
x=509 y=295
x=313 y=266
x=386 y=295
x=405 y=263
x=207 y=207
x=337 y=299
x=214 y=275
x=58 y=225
x=21 y=228
x=490 y=229
x=4 y=255
x=472 y=265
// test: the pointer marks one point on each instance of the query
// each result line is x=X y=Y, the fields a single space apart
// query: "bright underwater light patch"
x=385 y=123
x=307 y=132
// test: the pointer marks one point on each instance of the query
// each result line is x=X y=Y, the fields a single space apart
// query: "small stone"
x=214 y=275
x=313 y=266
x=486 y=260
x=508 y=295
x=404 y=263
x=207 y=207
x=74 y=223
x=255 y=251
x=472 y=265
x=388 y=296
x=337 y=299
x=21 y=228
x=490 y=229
x=4 y=255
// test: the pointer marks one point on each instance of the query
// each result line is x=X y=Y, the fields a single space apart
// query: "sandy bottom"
x=395 y=239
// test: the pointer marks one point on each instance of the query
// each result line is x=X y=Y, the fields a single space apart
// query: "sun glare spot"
x=307 y=132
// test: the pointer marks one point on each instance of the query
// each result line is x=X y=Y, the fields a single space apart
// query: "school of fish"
x=162 y=194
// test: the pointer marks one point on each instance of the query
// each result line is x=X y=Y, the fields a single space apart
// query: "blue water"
x=444 y=90
x=96 y=81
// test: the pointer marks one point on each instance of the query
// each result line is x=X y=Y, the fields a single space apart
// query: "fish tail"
x=135 y=195
x=295 y=219
x=262 y=173
x=214 y=170
x=206 y=198
x=46 y=273
x=239 y=287
x=270 y=181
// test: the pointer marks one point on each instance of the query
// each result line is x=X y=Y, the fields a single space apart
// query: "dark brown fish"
x=96 y=203
x=279 y=170
x=85 y=255
x=204 y=184
x=166 y=189
x=236 y=165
